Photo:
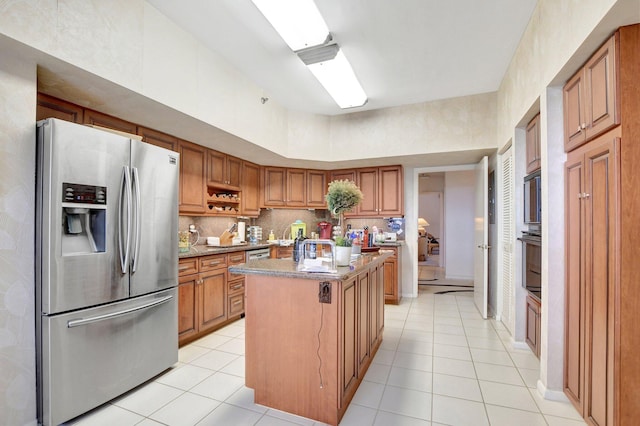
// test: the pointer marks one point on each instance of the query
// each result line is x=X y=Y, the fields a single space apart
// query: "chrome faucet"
x=331 y=243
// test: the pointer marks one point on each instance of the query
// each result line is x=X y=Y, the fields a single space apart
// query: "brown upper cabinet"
x=274 y=186
x=50 y=107
x=158 y=139
x=193 y=188
x=590 y=97
x=223 y=170
x=250 y=186
x=301 y=188
x=316 y=188
x=95 y=118
x=383 y=191
x=533 y=145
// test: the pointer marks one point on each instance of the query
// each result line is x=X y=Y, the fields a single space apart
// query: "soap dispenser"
x=272 y=236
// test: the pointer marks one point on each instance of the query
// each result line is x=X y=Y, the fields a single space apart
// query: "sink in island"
x=310 y=337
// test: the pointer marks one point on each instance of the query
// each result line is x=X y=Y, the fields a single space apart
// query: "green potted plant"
x=342 y=196
x=343 y=251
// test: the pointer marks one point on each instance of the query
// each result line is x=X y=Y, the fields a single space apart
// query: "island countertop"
x=287 y=268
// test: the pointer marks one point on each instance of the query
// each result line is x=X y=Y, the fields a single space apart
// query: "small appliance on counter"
x=324 y=230
x=298 y=224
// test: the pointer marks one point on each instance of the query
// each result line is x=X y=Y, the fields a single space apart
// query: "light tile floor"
x=439 y=363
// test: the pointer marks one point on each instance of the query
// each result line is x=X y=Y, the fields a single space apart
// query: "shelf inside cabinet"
x=223 y=201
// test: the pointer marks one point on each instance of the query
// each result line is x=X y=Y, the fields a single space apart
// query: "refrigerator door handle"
x=125 y=184
x=85 y=321
x=138 y=219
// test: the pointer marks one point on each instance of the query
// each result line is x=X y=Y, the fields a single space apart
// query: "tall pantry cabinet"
x=602 y=216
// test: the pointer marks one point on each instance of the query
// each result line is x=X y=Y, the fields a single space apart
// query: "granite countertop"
x=287 y=268
x=203 y=250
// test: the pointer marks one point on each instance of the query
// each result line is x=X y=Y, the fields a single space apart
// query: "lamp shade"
x=422 y=222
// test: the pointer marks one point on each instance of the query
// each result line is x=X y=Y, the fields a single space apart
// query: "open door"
x=481 y=237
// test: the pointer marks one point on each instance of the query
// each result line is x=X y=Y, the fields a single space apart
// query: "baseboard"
x=458 y=277
x=519 y=345
x=551 y=395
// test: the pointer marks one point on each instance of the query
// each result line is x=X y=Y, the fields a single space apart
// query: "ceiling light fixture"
x=301 y=26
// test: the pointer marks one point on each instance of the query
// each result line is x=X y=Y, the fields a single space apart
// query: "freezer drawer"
x=92 y=355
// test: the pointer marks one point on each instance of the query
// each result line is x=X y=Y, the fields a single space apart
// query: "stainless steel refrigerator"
x=106 y=266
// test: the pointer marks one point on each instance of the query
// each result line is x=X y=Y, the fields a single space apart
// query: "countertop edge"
x=286 y=268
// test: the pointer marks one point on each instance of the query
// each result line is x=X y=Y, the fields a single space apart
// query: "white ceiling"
x=402 y=51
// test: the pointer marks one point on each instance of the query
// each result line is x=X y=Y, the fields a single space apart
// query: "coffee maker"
x=324 y=229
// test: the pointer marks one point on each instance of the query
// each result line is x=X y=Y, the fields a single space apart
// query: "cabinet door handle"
x=237 y=302
x=235 y=287
x=584 y=126
x=182 y=268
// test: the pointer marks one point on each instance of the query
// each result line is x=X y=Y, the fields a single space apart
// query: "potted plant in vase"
x=342 y=196
x=343 y=251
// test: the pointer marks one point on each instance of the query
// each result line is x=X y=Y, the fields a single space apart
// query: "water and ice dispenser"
x=84 y=209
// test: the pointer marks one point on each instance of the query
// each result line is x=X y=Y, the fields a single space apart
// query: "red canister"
x=324 y=229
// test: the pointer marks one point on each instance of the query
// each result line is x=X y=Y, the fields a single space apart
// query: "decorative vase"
x=337 y=229
x=343 y=256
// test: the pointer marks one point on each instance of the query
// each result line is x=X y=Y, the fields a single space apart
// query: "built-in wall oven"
x=531 y=262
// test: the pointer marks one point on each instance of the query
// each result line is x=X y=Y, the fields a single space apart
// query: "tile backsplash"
x=278 y=220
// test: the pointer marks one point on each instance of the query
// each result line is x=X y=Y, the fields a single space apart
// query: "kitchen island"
x=310 y=337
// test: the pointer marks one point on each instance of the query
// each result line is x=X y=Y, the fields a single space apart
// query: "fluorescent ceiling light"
x=298 y=22
x=338 y=78
x=301 y=26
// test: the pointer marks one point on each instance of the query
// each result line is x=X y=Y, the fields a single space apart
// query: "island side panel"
x=286 y=329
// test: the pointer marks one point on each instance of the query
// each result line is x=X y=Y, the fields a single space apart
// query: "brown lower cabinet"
x=392 y=277
x=208 y=295
x=533 y=324
x=591 y=287
x=280 y=252
x=305 y=357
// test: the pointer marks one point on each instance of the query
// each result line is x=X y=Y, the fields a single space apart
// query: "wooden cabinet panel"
x=590 y=97
x=349 y=340
x=367 y=181
x=574 y=303
x=600 y=295
x=573 y=101
x=158 y=139
x=216 y=168
x=391 y=192
x=192 y=178
x=591 y=210
x=216 y=261
x=223 y=170
x=188 y=266
x=250 y=187
x=343 y=175
x=187 y=309
x=533 y=325
x=96 y=118
x=601 y=84
x=274 y=186
x=234 y=171
x=382 y=189
x=296 y=188
x=363 y=322
x=213 y=299
x=236 y=305
x=533 y=145
x=48 y=106
x=392 y=277
x=316 y=188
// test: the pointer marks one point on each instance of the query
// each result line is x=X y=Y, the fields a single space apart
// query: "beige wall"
x=17 y=216
x=126 y=41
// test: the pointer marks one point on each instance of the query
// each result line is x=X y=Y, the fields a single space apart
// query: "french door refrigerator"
x=106 y=266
